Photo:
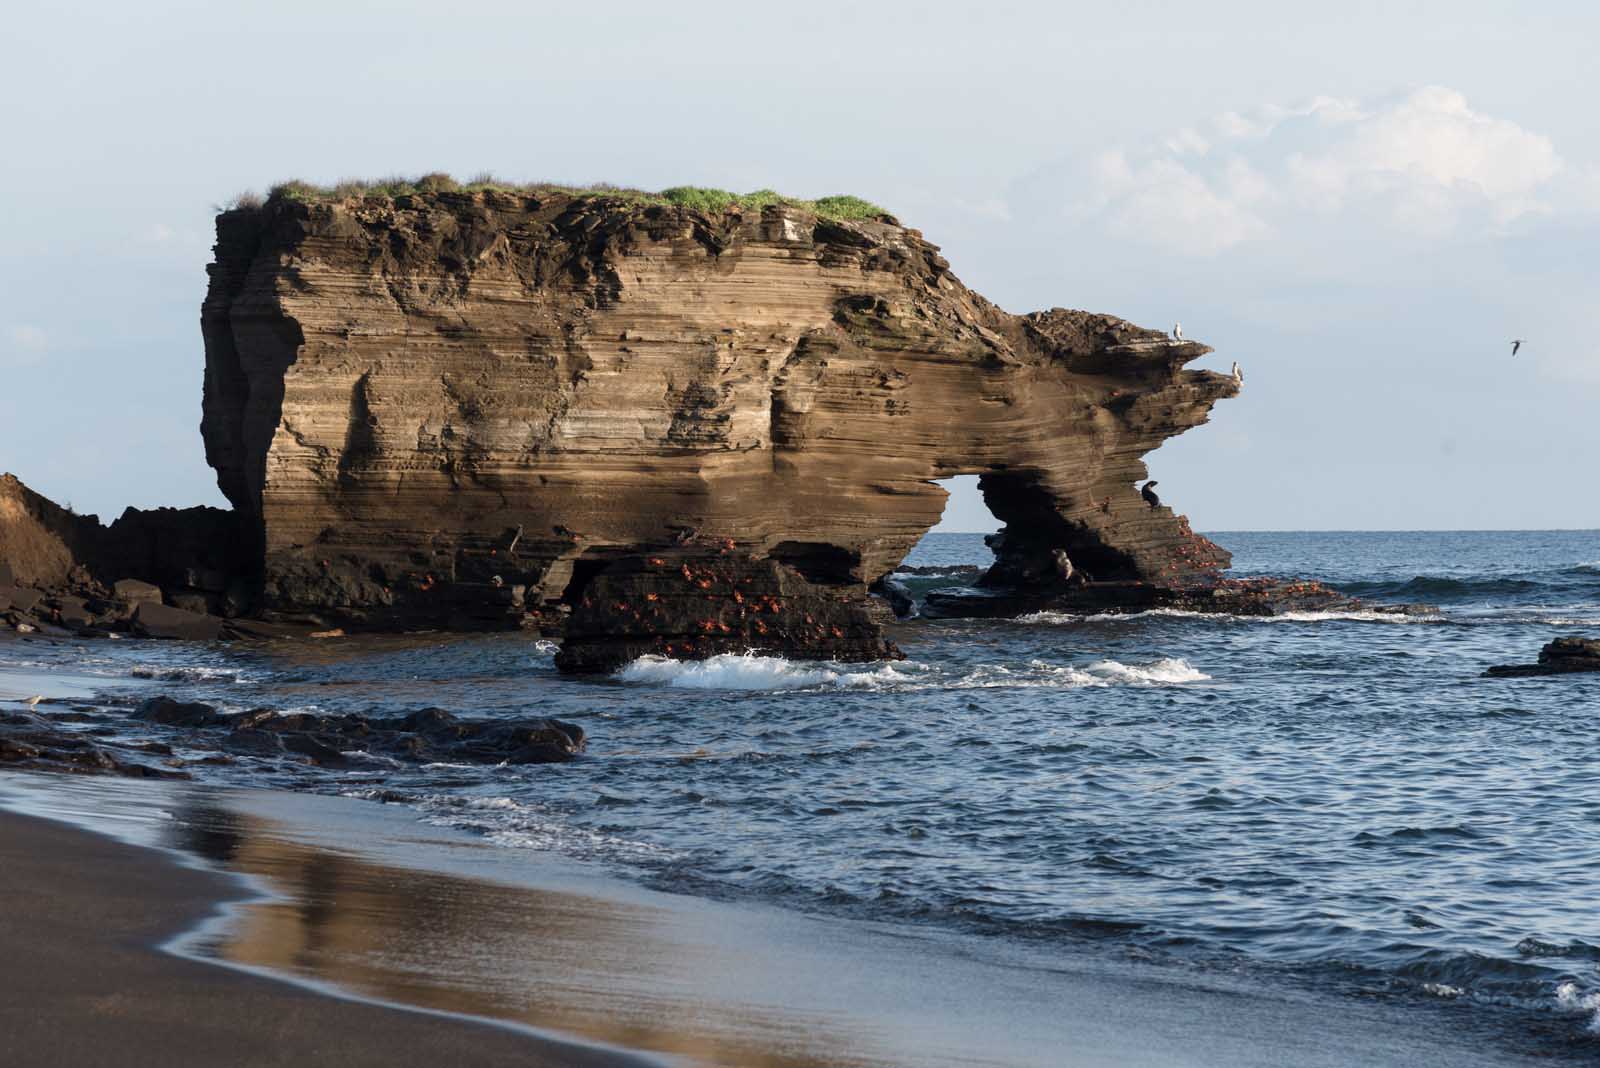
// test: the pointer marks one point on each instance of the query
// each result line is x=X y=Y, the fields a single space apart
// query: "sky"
x=1361 y=203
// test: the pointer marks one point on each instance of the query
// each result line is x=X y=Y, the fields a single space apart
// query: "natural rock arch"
x=760 y=396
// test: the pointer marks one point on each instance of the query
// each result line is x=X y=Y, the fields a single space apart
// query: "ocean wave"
x=754 y=671
x=1486 y=587
x=1168 y=671
x=1571 y=998
x=507 y=821
x=188 y=674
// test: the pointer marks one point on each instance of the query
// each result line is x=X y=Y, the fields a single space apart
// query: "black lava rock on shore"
x=431 y=735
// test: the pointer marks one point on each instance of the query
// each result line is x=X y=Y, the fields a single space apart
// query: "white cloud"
x=1424 y=165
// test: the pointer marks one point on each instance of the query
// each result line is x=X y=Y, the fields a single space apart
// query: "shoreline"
x=545 y=947
x=86 y=921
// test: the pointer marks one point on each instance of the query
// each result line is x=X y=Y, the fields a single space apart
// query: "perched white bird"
x=33 y=702
x=1515 y=345
x=1238 y=375
x=1177 y=331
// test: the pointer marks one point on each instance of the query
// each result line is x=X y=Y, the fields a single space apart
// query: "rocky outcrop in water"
x=1564 y=656
x=492 y=409
x=430 y=735
x=30 y=742
x=94 y=739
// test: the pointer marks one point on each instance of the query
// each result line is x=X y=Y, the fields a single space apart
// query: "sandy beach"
x=84 y=984
x=354 y=899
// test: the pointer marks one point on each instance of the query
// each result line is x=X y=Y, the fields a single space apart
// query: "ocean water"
x=1338 y=802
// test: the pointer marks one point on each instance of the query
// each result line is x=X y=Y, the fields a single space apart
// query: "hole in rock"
x=965 y=512
x=961 y=537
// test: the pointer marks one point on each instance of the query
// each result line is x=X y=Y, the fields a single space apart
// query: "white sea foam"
x=752 y=671
x=371 y=758
x=546 y=647
x=1573 y=999
x=523 y=825
x=188 y=674
x=1167 y=671
x=1351 y=615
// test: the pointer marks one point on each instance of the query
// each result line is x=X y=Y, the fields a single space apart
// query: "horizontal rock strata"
x=493 y=409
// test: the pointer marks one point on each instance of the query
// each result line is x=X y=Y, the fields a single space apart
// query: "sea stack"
x=396 y=386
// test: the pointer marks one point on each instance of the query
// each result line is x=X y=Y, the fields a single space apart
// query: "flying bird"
x=1238 y=375
x=1177 y=331
x=1515 y=345
x=1149 y=494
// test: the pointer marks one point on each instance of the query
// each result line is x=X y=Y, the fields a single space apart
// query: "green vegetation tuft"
x=694 y=198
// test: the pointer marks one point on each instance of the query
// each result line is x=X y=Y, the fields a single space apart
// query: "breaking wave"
x=753 y=671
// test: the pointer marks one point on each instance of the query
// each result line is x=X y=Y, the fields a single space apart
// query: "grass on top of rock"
x=695 y=198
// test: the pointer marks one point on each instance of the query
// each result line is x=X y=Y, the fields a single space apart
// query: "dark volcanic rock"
x=1235 y=597
x=1563 y=656
x=31 y=742
x=697 y=605
x=428 y=736
x=155 y=620
x=170 y=713
x=133 y=591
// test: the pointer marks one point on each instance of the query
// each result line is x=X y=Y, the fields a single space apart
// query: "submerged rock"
x=1234 y=597
x=31 y=742
x=431 y=735
x=1563 y=656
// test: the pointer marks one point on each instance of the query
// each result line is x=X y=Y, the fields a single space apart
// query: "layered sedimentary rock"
x=473 y=408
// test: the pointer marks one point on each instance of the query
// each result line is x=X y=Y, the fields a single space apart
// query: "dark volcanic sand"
x=82 y=983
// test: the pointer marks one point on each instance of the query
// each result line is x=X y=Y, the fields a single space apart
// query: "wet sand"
x=360 y=899
x=82 y=982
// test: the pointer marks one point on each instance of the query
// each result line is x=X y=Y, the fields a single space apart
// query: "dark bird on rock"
x=563 y=532
x=1149 y=494
x=1515 y=345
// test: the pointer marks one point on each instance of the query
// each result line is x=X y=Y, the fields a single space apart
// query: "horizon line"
x=1357 y=530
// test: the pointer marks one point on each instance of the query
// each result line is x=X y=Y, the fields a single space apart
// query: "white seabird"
x=1515 y=345
x=1177 y=331
x=1238 y=375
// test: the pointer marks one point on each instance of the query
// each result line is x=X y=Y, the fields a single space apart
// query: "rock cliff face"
x=475 y=407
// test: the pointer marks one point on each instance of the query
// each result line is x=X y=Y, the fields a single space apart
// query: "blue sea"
x=1339 y=802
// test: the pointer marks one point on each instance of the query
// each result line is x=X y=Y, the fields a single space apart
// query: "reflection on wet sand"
x=557 y=961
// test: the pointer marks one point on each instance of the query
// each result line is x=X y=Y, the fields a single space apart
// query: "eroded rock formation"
x=475 y=408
